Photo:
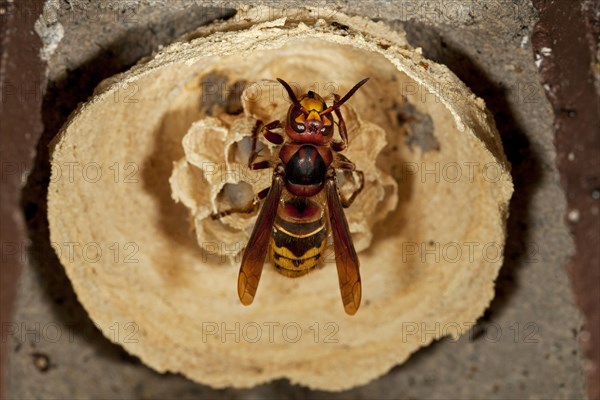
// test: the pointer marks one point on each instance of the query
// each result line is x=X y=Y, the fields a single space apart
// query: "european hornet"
x=294 y=221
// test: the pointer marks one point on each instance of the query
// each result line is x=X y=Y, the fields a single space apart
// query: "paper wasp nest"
x=214 y=175
x=139 y=169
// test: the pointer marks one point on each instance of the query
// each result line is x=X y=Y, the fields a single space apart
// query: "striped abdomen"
x=299 y=237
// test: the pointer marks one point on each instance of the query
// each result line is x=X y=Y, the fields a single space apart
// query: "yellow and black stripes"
x=297 y=245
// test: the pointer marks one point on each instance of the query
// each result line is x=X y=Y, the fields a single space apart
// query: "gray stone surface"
x=524 y=347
